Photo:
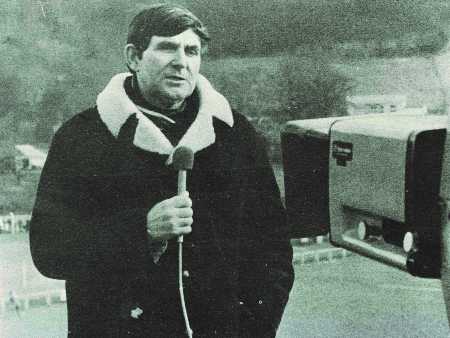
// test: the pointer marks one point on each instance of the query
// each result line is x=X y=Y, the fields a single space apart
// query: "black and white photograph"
x=224 y=169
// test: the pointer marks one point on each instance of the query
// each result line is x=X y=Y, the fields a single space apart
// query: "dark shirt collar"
x=133 y=92
x=182 y=117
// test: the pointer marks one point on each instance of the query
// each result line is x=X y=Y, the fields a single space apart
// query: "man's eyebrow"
x=167 y=44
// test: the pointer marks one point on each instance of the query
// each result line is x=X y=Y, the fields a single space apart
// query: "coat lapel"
x=115 y=107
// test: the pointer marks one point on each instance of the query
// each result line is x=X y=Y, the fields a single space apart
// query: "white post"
x=13 y=222
x=48 y=298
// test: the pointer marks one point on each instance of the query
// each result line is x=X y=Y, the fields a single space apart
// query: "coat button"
x=136 y=312
x=186 y=273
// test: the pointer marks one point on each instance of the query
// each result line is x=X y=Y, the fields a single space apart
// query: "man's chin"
x=177 y=95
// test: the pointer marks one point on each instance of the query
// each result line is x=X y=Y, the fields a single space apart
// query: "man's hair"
x=164 y=20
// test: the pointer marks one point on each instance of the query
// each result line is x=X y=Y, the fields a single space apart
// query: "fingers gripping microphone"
x=183 y=160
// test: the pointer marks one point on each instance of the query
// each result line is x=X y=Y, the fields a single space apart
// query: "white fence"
x=305 y=241
x=316 y=250
x=14 y=223
x=31 y=288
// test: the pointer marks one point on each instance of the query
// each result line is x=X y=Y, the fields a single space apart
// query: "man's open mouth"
x=175 y=78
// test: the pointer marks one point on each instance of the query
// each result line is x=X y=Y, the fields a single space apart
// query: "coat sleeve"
x=266 y=272
x=69 y=237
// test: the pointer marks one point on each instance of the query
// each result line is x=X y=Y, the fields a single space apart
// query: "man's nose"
x=179 y=58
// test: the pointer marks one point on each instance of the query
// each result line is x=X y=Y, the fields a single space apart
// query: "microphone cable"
x=183 y=159
x=181 y=287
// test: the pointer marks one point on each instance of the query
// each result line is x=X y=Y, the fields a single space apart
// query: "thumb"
x=185 y=194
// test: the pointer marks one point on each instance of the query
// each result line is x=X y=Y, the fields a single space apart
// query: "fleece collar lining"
x=115 y=107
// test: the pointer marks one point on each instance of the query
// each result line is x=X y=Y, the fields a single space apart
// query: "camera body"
x=372 y=182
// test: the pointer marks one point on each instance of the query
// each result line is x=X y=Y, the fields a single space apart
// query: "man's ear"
x=132 y=57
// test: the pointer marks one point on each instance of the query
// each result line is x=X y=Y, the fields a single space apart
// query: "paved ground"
x=350 y=297
x=17 y=272
x=39 y=322
x=357 y=297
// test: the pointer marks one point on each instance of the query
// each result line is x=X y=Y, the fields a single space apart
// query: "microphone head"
x=183 y=158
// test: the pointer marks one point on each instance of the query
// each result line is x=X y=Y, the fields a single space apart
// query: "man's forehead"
x=187 y=37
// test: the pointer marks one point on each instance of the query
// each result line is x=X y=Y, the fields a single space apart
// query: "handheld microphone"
x=183 y=160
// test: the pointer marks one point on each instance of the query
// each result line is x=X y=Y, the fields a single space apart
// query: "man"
x=107 y=217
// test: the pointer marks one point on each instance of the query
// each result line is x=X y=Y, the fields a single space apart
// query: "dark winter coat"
x=89 y=228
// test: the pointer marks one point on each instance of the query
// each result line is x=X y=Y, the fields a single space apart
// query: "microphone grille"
x=183 y=158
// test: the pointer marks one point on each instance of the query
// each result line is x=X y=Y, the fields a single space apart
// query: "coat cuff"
x=157 y=248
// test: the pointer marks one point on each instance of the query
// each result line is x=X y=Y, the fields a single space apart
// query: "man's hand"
x=170 y=218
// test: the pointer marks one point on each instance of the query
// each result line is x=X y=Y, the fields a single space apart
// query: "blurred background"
x=274 y=60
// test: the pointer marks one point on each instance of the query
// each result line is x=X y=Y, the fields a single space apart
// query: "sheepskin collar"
x=115 y=107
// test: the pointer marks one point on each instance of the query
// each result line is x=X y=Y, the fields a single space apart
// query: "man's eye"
x=192 y=51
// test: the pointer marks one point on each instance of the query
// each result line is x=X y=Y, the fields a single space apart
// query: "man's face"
x=168 y=70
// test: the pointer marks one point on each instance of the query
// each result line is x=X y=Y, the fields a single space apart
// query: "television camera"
x=372 y=182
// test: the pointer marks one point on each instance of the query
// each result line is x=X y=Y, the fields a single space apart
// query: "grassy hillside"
x=256 y=82
x=66 y=51
x=254 y=87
